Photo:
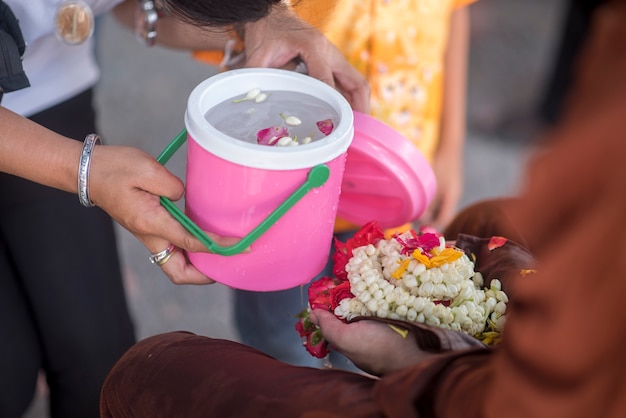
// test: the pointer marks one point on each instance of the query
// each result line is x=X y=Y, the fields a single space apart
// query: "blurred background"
x=142 y=99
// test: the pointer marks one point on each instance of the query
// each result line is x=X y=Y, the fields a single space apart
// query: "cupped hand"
x=373 y=346
x=127 y=183
x=283 y=37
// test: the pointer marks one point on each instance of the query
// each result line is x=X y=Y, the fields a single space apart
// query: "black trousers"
x=62 y=303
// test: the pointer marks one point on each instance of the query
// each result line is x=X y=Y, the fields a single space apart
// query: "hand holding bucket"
x=317 y=177
x=282 y=201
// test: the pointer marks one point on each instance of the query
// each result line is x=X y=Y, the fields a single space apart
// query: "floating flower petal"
x=325 y=126
x=269 y=136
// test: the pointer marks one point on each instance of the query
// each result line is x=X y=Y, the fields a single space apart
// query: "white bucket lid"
x=229 y=84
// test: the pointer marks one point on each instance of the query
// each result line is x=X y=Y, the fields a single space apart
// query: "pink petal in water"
x=325 y=126
x=269 y=136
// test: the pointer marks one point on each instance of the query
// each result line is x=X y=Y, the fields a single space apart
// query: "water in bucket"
x=264 y=117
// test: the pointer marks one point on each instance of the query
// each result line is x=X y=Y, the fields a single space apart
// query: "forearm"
x=35 y=153
x=173 y=33
x=455 y=85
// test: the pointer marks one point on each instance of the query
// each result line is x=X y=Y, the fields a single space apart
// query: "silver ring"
x=162 y=257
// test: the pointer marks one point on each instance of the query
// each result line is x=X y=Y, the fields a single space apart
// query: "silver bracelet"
x=83 y=169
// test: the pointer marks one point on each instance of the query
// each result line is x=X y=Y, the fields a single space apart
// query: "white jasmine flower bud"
x=500 y=323
x=433 y=321
x=426 y=289
x=420 y=318
x=419 y=269
x=365 y=297
x=372 y=305
x=252 y=94
x=439 y=290
x=478 y=279
x=402 y=298
x=436 y=276
x=401 y=310
x=284 y=141
x=378 y=295
x=459 y=316
x=369 y=278
x=373 y=287
x=359 y=287
x=452 y=290
x=306 y=139
x=292 y=120
x=355 y=305
x=500 y=308
x=501 y=296
x=419 y=303
x=410 y=281
x=428 y=309
x=388 y=288
x=382 y=312
x=261 y=97
x=466 y=292
x=495 y=284
x=411 y=314
x=390 y=297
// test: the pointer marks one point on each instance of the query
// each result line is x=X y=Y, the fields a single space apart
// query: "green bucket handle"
x=316 y=177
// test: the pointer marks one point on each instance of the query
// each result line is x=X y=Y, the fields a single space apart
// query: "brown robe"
x=562 y=352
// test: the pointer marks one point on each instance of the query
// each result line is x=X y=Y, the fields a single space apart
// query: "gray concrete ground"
x=142 y=98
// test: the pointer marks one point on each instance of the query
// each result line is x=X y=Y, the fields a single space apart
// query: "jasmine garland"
x=414 y=277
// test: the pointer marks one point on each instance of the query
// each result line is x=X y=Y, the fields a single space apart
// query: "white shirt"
x=56 y=71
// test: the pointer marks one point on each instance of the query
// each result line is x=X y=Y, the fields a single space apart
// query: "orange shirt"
x=399 y=46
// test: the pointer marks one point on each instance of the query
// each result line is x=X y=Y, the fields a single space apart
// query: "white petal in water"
x=252 y=94
x=293 y=121
x=284 y=141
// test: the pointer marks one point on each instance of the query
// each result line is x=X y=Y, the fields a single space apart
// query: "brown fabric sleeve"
x=562 y=354
x=485 y=219
x=180 y=374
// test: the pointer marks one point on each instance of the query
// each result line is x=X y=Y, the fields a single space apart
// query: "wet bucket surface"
x=232 y=186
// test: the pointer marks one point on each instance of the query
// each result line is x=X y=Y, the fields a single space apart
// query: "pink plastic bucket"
x=233 y=186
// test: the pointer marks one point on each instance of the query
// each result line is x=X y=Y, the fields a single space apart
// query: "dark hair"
x=219 y=12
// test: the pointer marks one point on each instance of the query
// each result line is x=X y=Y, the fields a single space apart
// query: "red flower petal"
x=319 y=295
x=316 y=345
x=496 y=242
x=304 y=326
x=339 y=293
x=325 y=126
x=370 y=233
x=425 y=242
x=269 y=136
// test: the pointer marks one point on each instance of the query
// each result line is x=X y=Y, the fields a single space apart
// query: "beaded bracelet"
x=83 y=169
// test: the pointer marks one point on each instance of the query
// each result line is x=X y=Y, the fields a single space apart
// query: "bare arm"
x=125 y=182
x=275 y=42
x=448 y=160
